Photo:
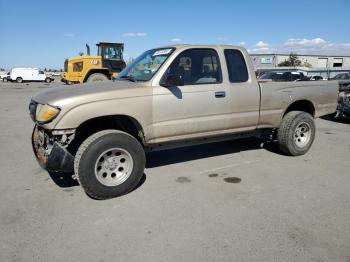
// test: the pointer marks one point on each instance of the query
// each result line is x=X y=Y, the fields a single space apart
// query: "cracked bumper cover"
x=57 y=160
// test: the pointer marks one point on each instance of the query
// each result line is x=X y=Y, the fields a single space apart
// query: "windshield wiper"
x=128 y=77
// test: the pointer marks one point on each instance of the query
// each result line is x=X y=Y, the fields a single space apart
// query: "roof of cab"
x=201 y=46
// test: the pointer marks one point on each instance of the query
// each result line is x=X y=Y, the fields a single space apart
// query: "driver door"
x=196 y=107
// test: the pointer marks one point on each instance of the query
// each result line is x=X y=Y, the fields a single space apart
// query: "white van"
x=28 y=74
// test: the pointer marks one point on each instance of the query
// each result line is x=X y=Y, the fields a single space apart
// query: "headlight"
x=46 y=113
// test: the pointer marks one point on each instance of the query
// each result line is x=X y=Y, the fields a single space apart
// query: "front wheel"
x=97 y=77
x=47 y=80
x=109 y=163
x=296 y=133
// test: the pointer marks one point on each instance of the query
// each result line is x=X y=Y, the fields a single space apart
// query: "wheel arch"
x=123 y=123
x=301 y=105
x=91 y=71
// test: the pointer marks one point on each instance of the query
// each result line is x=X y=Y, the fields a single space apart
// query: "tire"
x=47 y=80
x=296 y=133
x=19 y=80
x=95 y=167
x=97 y=77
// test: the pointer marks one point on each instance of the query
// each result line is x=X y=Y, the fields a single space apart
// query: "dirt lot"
x=232 y=201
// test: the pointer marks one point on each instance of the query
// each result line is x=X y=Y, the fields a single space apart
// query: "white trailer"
x=28 y=74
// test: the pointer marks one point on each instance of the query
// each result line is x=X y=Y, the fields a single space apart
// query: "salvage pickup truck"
x=169 y=96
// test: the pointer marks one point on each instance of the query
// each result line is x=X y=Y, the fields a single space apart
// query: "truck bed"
x=276 y=97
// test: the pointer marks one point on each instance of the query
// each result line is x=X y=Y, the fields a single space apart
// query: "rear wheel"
x=19 y=80
x=109 y=163
x=97 y=77
x=296 y=133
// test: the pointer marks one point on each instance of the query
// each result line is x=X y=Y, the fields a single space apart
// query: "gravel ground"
x=232 y=201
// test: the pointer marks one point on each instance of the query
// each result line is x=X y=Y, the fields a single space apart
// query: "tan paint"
x=185 y=112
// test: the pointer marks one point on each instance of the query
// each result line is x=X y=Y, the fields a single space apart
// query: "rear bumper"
x=53 y=158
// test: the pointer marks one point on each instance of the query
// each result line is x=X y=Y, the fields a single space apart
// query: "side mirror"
x=172 y=80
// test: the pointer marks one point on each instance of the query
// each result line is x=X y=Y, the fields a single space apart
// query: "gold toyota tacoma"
x=169 y=96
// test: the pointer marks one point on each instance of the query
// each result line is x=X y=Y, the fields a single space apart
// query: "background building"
x=326 y=66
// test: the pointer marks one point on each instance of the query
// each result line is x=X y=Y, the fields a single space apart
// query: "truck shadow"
x=65 y=180
x=332 y=118
x=184 y=154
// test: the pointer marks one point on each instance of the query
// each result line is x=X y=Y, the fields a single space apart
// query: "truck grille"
x=32 y=109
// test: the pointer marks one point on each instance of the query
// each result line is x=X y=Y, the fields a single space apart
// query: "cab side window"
x=197 y=66
x=78 y=67
x=236 y=65
x=111 y=52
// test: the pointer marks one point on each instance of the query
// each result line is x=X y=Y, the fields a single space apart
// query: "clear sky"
x=44 y=33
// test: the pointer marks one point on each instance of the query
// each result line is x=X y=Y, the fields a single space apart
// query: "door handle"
x=220 y=94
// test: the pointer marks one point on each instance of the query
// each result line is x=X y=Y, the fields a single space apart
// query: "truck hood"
x=90 y=92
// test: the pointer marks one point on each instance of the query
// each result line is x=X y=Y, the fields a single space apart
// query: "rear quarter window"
x=236 y=66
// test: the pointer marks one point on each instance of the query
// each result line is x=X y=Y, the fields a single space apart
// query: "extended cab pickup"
x=169 y=96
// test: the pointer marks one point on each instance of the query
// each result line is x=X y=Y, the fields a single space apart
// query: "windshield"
x=144 y=67
x=112 y=52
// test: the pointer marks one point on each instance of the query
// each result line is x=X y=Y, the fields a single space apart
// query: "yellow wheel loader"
x=104 y=66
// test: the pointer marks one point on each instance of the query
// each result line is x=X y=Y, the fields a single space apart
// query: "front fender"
x=138 y=108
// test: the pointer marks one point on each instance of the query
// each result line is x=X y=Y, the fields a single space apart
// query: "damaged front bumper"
x=51 y=152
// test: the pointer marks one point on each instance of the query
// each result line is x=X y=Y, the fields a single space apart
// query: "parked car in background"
x=342 y=76
x=283 y=76
x=20 y=75
x=343 y=79
x=315 y=78
x=4 y=77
